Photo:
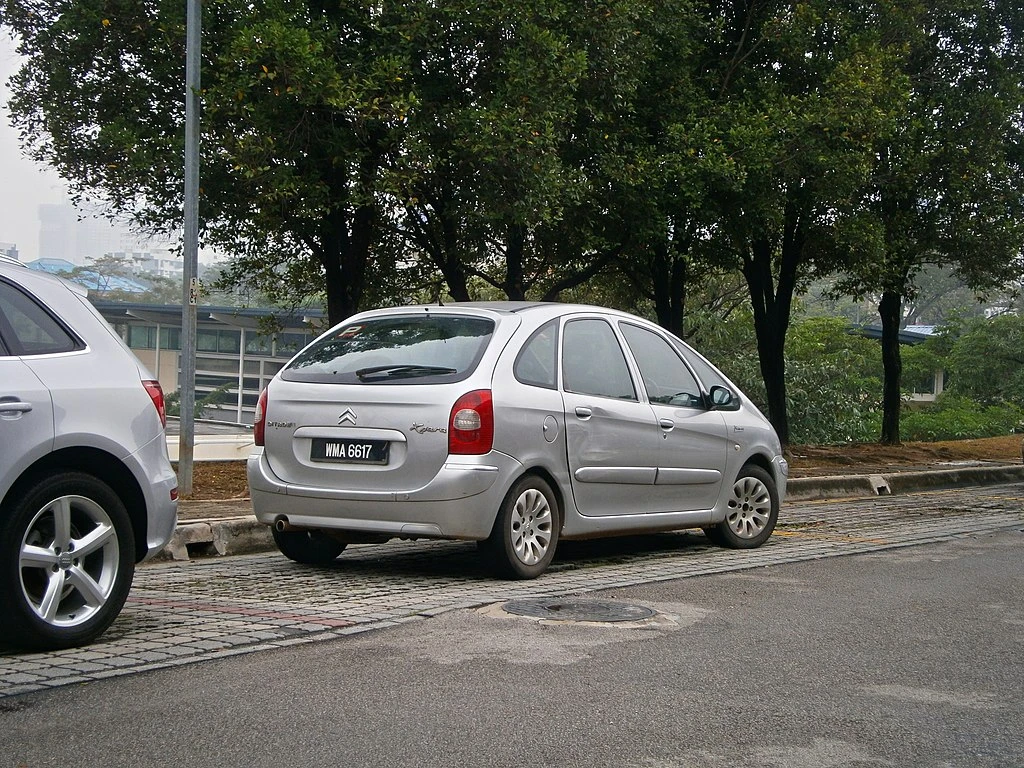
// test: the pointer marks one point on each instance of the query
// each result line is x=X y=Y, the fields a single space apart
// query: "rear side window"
x=28 y=328
x=537 y=362
x=405 y=349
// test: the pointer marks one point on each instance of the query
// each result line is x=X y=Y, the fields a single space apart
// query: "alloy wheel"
x=68 y=561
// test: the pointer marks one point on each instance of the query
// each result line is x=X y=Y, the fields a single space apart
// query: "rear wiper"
x=401 y=371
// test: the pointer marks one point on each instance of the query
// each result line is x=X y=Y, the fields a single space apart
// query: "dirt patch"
x=219 y=480
x=862 y=458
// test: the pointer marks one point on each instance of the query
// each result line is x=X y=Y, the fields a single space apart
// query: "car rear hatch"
x=366 y=408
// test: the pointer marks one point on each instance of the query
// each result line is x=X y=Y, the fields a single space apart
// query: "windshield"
x=420 y=349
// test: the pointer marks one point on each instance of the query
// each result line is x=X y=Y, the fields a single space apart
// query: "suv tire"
x=67 y=558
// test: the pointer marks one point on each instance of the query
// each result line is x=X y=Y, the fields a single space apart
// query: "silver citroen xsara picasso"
x=512 y=424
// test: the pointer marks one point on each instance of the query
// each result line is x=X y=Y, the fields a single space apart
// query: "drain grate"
x=577 y=610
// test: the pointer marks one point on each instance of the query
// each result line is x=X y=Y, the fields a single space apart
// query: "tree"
x=986 y=361
x=802 y=92
x=304 y=105
x=947 y=185
x=512 y=140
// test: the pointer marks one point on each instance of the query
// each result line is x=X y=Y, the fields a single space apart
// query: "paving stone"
x=186 y=612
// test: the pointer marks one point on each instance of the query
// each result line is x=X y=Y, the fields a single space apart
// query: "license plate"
x=350 y=451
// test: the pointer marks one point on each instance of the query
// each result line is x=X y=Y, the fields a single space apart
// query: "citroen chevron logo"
x=348 y=416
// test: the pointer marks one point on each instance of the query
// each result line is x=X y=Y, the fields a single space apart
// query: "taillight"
x=471 y=424
x=156 y=394
x=260 y=425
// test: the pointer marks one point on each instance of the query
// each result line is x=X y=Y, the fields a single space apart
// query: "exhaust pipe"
x=281 y=524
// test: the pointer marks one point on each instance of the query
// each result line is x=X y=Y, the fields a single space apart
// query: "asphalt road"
x=905 y=652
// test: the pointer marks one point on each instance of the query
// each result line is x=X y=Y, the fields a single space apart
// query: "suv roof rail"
x=11 y=260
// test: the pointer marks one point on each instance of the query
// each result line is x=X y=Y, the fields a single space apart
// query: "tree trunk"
x=771 y=336
x=344 y=255
x=668 y=278
x=514 y=255
x=772 y=307
x=890 y=310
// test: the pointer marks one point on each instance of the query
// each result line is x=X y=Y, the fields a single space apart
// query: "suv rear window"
x=405 y=349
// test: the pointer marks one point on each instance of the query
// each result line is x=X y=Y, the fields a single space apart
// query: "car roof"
x=506 y=307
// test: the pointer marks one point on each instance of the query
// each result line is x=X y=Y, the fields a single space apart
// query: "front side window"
x=403 y=349
x=709 y=375
x=593 y=362
x=666 y=378
x=28 y=328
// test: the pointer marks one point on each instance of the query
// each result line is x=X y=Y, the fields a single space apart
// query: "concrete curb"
x=241 y=534
x=859 y=486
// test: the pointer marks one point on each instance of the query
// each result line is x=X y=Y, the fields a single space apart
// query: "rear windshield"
x=408 y=349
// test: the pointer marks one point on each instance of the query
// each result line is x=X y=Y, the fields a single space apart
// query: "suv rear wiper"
x=401 y=371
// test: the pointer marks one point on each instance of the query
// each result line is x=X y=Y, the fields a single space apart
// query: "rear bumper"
x=460 y=502
x=156 y=476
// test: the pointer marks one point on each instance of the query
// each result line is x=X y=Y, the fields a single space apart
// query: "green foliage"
x=832 y=380
x=986 y=361
x=628 y=152
x=957 y=418
x=946 y=185
x=172 y=402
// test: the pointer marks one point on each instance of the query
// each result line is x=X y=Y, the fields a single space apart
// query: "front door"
x=693 y=447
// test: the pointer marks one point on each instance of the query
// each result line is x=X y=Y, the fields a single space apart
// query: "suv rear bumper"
x=460 y=502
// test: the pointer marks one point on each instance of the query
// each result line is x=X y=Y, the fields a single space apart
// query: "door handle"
x=583 y=412
x=667 y=424
x=15 y=406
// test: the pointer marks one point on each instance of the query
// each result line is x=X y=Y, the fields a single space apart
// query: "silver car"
x=512 y=424
x=86 y=488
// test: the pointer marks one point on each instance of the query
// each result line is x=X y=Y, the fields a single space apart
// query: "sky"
x=24 y=185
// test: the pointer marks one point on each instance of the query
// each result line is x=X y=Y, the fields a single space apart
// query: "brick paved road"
x=188 y=612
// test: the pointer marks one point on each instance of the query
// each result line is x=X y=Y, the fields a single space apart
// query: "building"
x=236 y=353
x=922 y=391
x=94 y=281
x=64 y=233
x=9 y=250
x=159 y=263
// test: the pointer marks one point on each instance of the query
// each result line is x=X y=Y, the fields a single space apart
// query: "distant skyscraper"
x=64 y=233
x=10 y=250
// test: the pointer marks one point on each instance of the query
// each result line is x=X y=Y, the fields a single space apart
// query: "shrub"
x=957 y=418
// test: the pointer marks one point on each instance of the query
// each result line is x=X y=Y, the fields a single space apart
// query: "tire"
x=307 y=547
x=525 y=534
x=752 y=513
x=67 y=559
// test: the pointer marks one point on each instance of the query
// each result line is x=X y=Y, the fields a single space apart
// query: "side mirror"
x=721 y=397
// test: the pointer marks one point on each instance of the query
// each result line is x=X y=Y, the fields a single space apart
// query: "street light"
x=190 y=248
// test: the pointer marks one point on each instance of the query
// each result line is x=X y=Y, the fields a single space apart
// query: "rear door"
x=26 y=410
x=365 y=408
x=611 y=436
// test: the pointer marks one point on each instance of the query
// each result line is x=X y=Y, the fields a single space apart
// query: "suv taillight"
x=260 y=424
x=471 y=424
x=156 y=394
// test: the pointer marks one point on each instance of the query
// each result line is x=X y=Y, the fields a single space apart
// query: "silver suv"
x=512 y=424
x=86 y=488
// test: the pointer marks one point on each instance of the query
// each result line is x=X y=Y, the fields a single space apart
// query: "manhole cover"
x=577 y=610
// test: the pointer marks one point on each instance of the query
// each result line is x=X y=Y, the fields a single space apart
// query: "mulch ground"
x=219 y=480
